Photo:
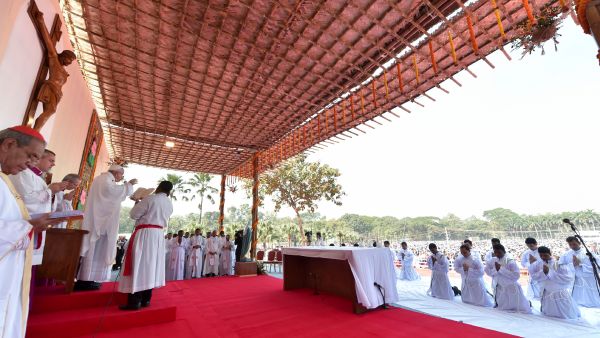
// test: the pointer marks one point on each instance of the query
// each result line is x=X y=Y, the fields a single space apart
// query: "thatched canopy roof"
x=224 y=80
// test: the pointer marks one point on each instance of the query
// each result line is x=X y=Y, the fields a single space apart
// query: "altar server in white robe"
x=143 y=267
x=440 y=284
x=473 y=289
x=226 y=267
x=529 y=256
x=196 y=247
x=584 y=288
x=168 y=239
x=211 y=263
x=555 y=282
x=101 y=219
x=505 y=273
x=406 y=257
x=63 y=201
x=177 y=257
x=37 y=195
x=19 y=147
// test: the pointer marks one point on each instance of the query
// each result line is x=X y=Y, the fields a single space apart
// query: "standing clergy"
x=505 y=274
x=144 y=258
x=555 y=281
x=585 y=291
x=529 y=256
x=226 y=267
x=406 y=258
x=101 y=219
x=440 y=284
x=37 y=195
x=178 y=249
x=211 y=263
x=471 y=270
x=19 y=148
x=64 y=201
x=196 y=247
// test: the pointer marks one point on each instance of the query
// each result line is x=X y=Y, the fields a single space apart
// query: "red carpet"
x=245 y=307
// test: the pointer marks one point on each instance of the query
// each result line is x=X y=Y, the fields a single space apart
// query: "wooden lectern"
x=61 y=256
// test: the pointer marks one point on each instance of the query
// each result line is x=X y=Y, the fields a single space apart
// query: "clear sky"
x=522 y=136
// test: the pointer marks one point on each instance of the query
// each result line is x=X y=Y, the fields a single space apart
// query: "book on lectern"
x=66 y=215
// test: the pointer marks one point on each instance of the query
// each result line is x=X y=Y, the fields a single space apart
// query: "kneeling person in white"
x=584 y=292
x=505 y=273
x=554 y=280
x=144 y=260
x=471 y=270
x=440 y=284
x=406 y=257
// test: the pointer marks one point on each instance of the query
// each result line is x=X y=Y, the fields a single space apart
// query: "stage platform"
x=231 y=307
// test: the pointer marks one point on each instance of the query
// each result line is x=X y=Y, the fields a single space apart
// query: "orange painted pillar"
x=255 y=202
x=222 y=204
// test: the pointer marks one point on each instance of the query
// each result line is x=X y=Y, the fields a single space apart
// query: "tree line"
x=352 y=228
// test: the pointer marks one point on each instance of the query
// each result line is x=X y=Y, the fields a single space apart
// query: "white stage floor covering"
x=413 y=296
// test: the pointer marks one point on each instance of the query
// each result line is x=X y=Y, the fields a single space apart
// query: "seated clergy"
x=505 y=274
x=584 y=292
x=555 y=281
x=440 y=284
x=406 y=258
x=471 y=270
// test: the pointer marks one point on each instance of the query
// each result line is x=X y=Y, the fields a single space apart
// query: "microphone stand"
x=382 y=292
x=593 y=261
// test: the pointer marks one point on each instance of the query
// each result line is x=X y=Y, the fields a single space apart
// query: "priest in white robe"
x=63 y=202
x=555 y=282
x=505 y=275
x=440 y=284
x=37 y=195
x=168 y=239
x=101 y=219
x=406 y=257
x=475 y=254
x=529 y=256
x=178 y=250
x=144 y=259
x=226 y=268
x=20 y=147
x=473 y=289
x=584 y=288
x=211 y=260
x=196 y=248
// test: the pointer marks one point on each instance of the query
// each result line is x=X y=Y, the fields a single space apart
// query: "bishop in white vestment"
x=406 y=257
x=19 y=147
x=584 y=289
x=505 y=274
x=143 y=268
x=555 y=281
x=37 y=195
x=473 y=289
x=101 y=219
x=440 y=284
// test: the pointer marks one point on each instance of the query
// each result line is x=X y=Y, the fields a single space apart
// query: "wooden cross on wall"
x=55 y=34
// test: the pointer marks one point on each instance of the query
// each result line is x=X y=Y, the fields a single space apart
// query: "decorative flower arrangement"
x=546 y=28
x=119 y=161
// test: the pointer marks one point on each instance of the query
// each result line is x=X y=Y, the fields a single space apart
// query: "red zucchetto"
x=28 y=131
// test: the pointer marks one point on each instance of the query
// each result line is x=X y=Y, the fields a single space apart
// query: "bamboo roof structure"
x=228 y=80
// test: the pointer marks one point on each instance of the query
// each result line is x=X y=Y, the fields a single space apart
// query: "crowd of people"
x=195 y=256
x=561 y=280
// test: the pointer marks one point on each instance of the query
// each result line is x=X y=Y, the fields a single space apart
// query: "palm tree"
x=179 y=187
x=201 y=184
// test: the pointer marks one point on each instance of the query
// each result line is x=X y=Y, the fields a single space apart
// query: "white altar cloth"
x=368 y=265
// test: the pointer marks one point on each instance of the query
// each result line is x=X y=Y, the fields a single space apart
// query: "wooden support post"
x=222 y=204
x=255 y=202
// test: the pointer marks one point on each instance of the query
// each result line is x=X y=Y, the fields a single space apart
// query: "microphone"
x=568 y=221
x=382 y=292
